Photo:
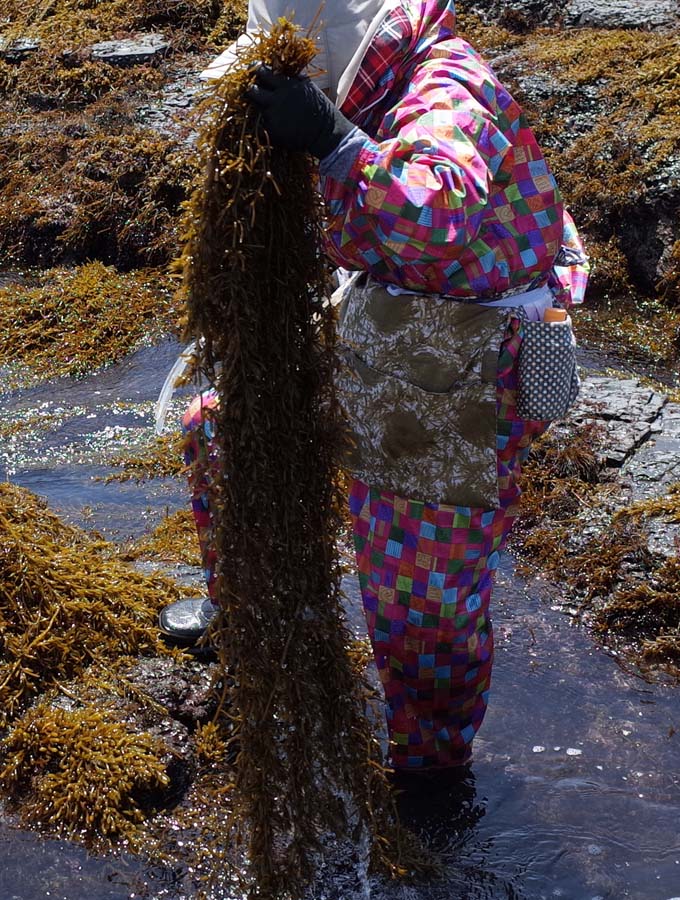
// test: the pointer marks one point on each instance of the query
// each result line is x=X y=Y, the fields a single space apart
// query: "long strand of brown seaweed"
x=254 y=279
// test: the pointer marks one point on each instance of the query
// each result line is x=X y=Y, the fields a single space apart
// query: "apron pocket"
x=438 y=447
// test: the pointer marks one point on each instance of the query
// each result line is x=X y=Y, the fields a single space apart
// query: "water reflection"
x=574 y=788
x=442 y=808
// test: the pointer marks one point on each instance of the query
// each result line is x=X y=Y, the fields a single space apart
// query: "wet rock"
x=143 y=48
x=625 y=409
x=160 y=696
x=641 y=446
x=670 y=421
x=627 y=412
x=183 y=689
x=649 y=240
x=651 y=471
x=663 y=538
x=622 y=13
x=19 y=49
x=525 y=15
x=520 y=15
x=615 y=398
x=169 y=113
x=623 y=439
x=578 y=109
x=12 y=278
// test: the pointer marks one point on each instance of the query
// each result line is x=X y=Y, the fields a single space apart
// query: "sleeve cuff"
x=337 y=165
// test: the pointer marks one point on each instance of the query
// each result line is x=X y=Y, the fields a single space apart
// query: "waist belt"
x=533 y=302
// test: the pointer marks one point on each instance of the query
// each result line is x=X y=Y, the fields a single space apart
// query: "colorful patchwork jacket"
x=442 y=187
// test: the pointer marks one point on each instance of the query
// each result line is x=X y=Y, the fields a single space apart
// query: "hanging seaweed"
x=254 y=279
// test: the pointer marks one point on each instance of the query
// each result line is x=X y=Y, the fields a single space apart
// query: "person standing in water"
x=451 y=238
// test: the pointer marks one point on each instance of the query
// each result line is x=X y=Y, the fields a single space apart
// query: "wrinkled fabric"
x=449 y=192
x=417 y=385
x=200 y=454
x=338 y=26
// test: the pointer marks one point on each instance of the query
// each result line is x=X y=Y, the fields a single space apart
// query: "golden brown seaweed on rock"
x=71 y=321
x=65 y=600
x=80 y=770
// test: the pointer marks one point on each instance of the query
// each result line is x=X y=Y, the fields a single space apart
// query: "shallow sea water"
x=575 y=785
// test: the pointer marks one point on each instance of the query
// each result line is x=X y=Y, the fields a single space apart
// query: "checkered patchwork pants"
x=426 y=572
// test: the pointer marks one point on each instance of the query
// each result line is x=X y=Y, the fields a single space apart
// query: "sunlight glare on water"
x=574 y=789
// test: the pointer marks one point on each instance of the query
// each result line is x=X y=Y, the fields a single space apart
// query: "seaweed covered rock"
x=601 y=510
x=133 y=734
x=65 y=601
x=85 y=175
x=605 y=103
x=97 y=716
x=81 y=771
x=97 y=188
x=72 y=321
x=71 y=25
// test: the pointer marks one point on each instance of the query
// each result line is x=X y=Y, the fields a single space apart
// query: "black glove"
x=296 y=114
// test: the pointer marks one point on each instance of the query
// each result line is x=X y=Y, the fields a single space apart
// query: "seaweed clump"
x=561 y=475
x=255 y=284
x=66 y=601
x=651 y=606
x=96 y=159
x=576 y=529
x=70 y=321
x=620 y=171
x=107 y=190
x=481 y=33
x=60 y=71
x=163 y=458
x=173 y=540
x=649 y=610
x=80 y=770
x=565 y=490
x=67 y=26
x=666 y=507
x=230 y=23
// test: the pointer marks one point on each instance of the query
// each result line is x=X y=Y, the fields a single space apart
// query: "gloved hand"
x=296 y=114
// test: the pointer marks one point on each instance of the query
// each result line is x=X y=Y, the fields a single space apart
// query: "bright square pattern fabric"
x=426 y=573
x=449 y=191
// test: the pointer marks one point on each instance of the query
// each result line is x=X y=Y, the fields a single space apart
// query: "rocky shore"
x=97 y=154
x=603 y=513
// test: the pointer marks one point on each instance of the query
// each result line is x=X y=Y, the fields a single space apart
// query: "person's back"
x=446 y=189
x=440 y=199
